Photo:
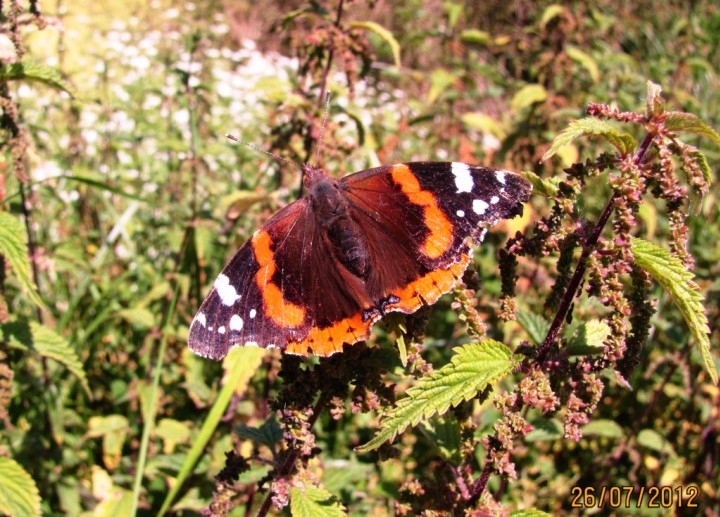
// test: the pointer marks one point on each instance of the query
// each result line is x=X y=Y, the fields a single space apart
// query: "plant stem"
x=292 y=457
x=579 y=274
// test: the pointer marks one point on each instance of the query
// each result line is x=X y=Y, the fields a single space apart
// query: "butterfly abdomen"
x=346 y=239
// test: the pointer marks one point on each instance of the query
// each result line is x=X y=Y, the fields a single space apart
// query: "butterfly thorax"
x=346 y=240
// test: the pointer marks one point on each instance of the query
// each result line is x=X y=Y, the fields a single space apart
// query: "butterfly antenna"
x=256 y=148
x=322 y=128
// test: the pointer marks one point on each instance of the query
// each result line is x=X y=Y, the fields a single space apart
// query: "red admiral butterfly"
x=325 y=268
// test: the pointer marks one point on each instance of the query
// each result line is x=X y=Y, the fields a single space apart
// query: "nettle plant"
x=557 y=372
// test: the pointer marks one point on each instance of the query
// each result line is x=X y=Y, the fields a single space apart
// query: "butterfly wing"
x=282 y=289
x=418 y=217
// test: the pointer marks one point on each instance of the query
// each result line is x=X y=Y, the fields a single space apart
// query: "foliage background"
x=133 y=189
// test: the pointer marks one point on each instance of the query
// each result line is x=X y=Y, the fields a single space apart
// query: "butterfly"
x=328 y=266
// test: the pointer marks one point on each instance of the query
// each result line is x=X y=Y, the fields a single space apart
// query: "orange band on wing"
x=328 y=340
x=440 y=238
x=430 y=287
x=283 y=313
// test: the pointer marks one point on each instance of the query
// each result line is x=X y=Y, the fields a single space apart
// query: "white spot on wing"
x=201 y=319
x=253 y=313
x=494 y=200
x=460 y=213
x=479 y=206
x=236 y=322
x=500 y=176
x=227 y=293
x=221 y=329
x=463 y=178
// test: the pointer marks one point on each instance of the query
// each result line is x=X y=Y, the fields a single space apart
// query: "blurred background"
x=131 y=192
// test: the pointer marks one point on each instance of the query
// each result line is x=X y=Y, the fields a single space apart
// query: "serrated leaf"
x=444 y=434
x=530 y=512
x=606 y=428
x=48 y=343
x=476 y=37
x=546 y=187
x=13 y=246
x=384 y=34
x=655 y=441
x=688 y=122
x=269 y=433
x=584 y=60
x=314 y=502
x=19 y=494
x=669 y=272
x=527 y=96
x=654 y=102
x=589 y=338
x=589 y=126
x=470 y=371
x=31 y=71
x=535 y=325
x=703 y=164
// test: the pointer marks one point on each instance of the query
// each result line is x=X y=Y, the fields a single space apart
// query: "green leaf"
x=102 y=185
x=114 y=430
x=239 y=201
x=584 y=60
x=476 y=37
x=19 y=494
x=13 y=246
x=269 y=433
x=138 y=317
x=31 y=71
x=681 y=121
x=172 y=432
x=444 y=434
x=439 y=82
x=655 y=441
x=670 y=273
x=545 y=430
x=484 y=123
x=240 y=365
x=550 y=12
x=48 y=343
x=527 y=96
x=605 y=428
x=546 y=187
x=654 y=102
x=314 y=502
x=535 y=325
x=470 y=371
x=589 y=338
x=384 y=34
x=622 y=141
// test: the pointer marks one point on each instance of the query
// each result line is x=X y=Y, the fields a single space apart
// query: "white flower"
x=8 y=54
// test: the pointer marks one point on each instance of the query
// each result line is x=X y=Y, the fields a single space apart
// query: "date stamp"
x=634 y=497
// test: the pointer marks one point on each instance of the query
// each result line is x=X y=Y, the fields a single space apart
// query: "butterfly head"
x=312 y=175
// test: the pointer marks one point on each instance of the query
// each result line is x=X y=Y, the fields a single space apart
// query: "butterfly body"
x=325 y=268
